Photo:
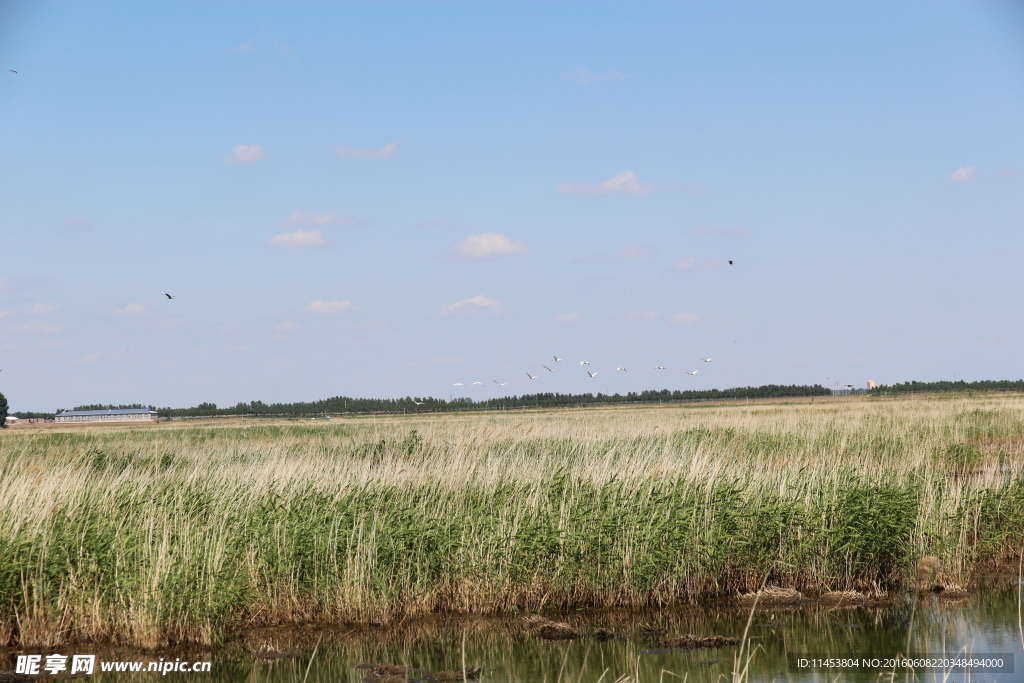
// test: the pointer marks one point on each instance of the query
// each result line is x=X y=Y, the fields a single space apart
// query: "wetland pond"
x=507 y=649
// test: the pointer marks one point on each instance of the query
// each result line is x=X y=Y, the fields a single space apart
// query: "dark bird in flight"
x=12 y=71
x=169 y=296
x=730 y=263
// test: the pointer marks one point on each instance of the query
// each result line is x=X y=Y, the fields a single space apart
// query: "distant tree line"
x=133 y=406
x=346 y=404
x=923 y=387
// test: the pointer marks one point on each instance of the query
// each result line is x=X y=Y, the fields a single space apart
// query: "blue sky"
x=384 y=199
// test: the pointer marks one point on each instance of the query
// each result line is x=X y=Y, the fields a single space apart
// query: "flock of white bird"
x=590 y=374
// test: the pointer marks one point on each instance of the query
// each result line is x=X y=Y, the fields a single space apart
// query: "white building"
x=121 y=415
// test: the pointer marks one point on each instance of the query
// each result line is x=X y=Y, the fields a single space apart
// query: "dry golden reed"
x=184 y=532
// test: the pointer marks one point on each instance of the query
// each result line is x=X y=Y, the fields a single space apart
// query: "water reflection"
x=508 y=652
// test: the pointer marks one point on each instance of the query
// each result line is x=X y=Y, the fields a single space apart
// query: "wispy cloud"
x=310 y=218
x=478 y=304
x=36 y=326
x=683 y=319
x=386 y=152
x=690 y=263
x=133 y=309
x=714 y=230
x=688 y=188
x=321 y=307
x=488 y=244
x=630 y=253
x=623 y=183
x=963 y=174
x=298 y=239
x=442 y=361
x=247 y=154
x=568 y=318
x=75 y=223
x=90 y=357
x=582 y=74
x=286 y=326
x=43 y=309
x=5 y=312
x=440 y=224
x=369 y=326
x=247 y=47
x=641 y=315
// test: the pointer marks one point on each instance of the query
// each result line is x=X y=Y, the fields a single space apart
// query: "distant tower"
x=872 y=384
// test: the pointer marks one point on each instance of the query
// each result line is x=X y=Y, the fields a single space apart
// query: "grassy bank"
x=170 y=533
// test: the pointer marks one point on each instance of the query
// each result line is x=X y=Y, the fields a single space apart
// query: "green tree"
x=3 y=411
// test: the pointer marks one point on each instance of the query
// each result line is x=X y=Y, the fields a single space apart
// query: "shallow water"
x=986 y=623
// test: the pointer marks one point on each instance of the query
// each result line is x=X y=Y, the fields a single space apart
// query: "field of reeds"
x=174 y=533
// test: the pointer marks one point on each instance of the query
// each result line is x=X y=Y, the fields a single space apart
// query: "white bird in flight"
x=458 y=384
x=592 y=374
x=707 y=360
x=480 y=383
x=617 y=369
x=419 y=403
x=557 y=359
x=659 y=367
x=692 y=373
x=547 y=368
x=500 y=384
x=531 y=376
x=584 y=362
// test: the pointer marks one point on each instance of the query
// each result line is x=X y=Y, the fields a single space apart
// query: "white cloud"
x=36 y=326
x=683 y=319
x=630 y=253
x=488 y=244
x=478 y=304
x=286 y=326
x=247 y=154
x=623 y=183
x=690 y=263
x=310 y=218
x=386 y=152
x=321 y=307
x=43 y=309
x=963 y=174
x=5 y=313
x=248 y=46
x=299 y=238
x=132 y=309
x=582 y=74
x=642 y=315
x=568 y=318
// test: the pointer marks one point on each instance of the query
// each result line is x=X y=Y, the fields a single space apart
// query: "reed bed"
x=179 y=533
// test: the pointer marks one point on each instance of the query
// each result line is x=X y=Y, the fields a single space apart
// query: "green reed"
x=170 y=534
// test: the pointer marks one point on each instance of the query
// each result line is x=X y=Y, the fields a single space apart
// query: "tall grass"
x=173 y=533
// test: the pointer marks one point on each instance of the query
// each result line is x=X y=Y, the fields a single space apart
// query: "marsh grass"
x=169 y=534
